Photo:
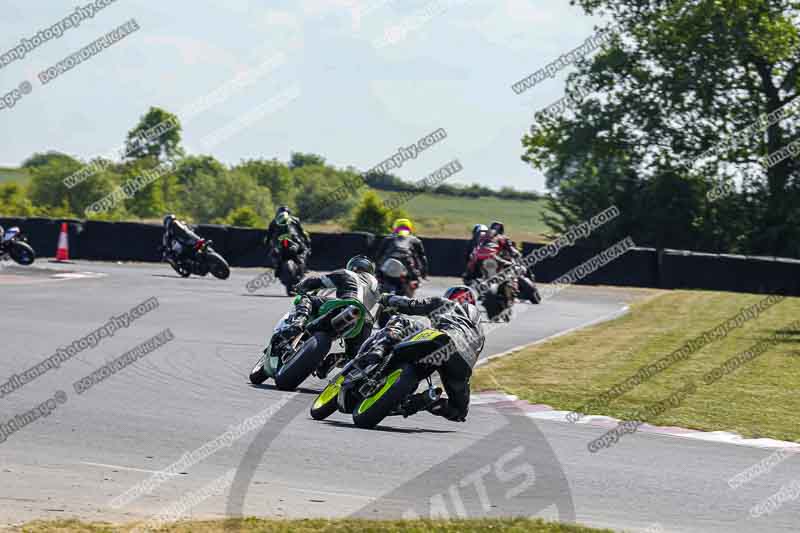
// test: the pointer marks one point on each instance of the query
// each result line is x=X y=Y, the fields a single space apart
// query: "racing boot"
x=420 y=401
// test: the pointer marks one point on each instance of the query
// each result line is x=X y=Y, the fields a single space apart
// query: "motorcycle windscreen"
x=10 y=233
x=393 y=268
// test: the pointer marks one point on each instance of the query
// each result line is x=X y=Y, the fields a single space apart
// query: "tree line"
x=204 y=190
x=689 y=127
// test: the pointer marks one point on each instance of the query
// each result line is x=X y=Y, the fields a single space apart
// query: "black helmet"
x=478 y=228
x=361 y=263
x=282 y=209
x=169 y=219
x=461 y=294
x=498 y=227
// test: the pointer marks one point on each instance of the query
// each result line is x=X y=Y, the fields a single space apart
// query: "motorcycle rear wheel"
x=181 y=268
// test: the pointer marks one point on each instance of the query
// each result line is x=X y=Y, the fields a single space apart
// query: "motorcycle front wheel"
x=218 y=266
x=258 y=375
x=326 y=403
x=304 y=361
x=22 y=253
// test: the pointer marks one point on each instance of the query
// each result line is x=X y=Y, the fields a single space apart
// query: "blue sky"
x=350 y=79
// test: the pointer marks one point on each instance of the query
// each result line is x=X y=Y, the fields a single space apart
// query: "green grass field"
x=253 y=525
x=757 y=399
x=13 y=174
x=437 y=215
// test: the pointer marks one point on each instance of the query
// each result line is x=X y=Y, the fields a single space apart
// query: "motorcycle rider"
x=356 y=281
x=509 y=252
x=455 y=313
x=508 y=249
x=284 y=222
x=407 y=248
x=479 y=232
x=178 y=239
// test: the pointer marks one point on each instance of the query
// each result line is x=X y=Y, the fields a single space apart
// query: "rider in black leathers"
x=178 y=238
x=456 y=314
x=286 y=223
x=406 y=247
x=356 y=281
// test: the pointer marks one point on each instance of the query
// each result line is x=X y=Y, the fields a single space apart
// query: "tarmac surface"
x=253 y=450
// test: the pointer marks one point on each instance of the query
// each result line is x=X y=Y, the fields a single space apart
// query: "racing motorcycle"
x=287 y=263
x=289 y=361
x=393 y=279
x=393 y=276
x=204 y=260
x=15 y=245
x=503 y=290
x=371 y=389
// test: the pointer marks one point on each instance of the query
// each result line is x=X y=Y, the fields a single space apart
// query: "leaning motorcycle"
x=15 y=245
x=288 y=266
x=289 y=361
x=203 y=260
x=370 y=389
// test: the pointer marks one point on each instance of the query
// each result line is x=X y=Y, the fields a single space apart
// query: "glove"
x=384 y=300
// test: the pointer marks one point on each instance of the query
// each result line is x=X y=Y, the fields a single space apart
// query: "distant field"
x=434 y=215
x=437 y=215
x=13 y=174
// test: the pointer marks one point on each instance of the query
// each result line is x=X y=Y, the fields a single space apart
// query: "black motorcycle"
x=202 y=261
x=371 y=389
x=288 y=265
x=289 y=361
x=15 y=245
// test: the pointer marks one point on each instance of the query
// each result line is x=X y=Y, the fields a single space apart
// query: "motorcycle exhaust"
x=346 y=319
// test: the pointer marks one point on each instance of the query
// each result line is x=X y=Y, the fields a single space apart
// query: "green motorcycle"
x=371 y=389
x=289 y=361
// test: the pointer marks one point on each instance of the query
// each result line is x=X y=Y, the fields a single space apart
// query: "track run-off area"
x=172 y=405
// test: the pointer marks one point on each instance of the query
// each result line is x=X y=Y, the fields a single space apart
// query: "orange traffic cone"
x=62 y=253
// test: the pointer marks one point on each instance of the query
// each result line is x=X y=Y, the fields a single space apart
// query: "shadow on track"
x=387 y=429
x=301 y=390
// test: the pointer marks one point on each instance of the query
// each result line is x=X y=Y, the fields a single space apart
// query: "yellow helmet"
x=402 y=226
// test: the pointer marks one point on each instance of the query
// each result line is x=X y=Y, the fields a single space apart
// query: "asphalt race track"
x=95 y=446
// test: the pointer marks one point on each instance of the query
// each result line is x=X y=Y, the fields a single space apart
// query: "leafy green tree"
x=209 y=197
x=190 y=166
x=14 y=201
x=300 y=159
x=157 y=135
x=371 y=215
x=245 y=217
x=40 y=159
x=48 y=191
x=677 y=79
x=271 y=174
x=149 y=201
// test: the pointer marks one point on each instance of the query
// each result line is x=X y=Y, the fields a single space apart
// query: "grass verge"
x=757 y=399
x=253 y=525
